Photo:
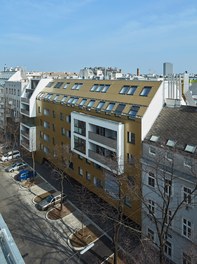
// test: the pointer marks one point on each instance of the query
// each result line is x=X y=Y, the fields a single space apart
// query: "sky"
x=68 y=35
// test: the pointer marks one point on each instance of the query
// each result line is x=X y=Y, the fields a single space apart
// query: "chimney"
x=138 y=72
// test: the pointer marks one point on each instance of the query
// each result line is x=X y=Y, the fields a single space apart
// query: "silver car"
x=16 y=166
x=50 y=201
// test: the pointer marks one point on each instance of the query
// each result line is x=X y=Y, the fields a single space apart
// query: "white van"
x=11 y=155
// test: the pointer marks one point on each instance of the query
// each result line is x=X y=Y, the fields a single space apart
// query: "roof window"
x=145 y=91
x=66 y=85
x=58 y=84
x=119 y=109
x=133 y=111
x=190 y=148
x=77 y=86
x=154 y=138
x=170 y=143
x=110 y=107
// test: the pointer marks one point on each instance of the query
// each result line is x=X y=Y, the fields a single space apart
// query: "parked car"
x=50 y=201
x=16 y=166
x=25 y=175
x=11 y=155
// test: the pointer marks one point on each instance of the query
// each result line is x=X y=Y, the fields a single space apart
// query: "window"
x=61 y=116
x=168 y=248
x=53 y=127
x=88 y=176
x=66 y=85
x=79 y=144
x=58 y=85
x=68 y=119
x=50 y=84
x=46 y=150
x=105 y=88
x=145 y=91
x=190 y=148
x=56 y=98
x=169 y=156
x=187 y=162
x=168 y=186
x=186 y=259
x=100 y=88
x=110 y=107
x=46 y=112
x=80 y=171
x=63 y=99
x=151 y=206
x=168 y=220
x=91 y=103
x=98 y=182
x=124 y=89
x=119 y=109
x=77 y=86
x=151 y=234
x=154 y=138
x=46 y=138
x=54 y=114
x=130 y=158
x=100 y=105
x=132 y=90
x=187 y=195
x=80 y=127
x=133 y=111
x=152 y=150
x=131 y=137
x=63 y=131
x=151 y=179
x=170 y=143
x=187 y=228
x=46 y=124
x=83 y=102
x=127 y=201
x=39 y=109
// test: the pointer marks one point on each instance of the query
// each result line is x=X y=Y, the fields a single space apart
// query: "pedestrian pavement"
x=103 y=246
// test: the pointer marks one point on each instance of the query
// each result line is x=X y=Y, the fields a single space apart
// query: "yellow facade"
x=54 y=128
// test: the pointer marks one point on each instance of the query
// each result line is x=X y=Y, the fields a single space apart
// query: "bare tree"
x=160 y=204
x=60 y=161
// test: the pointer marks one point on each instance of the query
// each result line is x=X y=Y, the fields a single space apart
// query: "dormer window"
x=190 y=148
x=170 y=143
x=154 y=138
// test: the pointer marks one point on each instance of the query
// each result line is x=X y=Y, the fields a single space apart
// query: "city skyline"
x=70 y=35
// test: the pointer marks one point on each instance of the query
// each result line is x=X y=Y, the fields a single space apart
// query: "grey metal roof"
x=9 y=253
x=178 y=124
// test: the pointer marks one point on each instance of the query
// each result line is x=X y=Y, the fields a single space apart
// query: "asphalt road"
x=38 y=239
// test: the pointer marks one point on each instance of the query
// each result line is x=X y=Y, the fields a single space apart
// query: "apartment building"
x=102 y=121
x=169 y=169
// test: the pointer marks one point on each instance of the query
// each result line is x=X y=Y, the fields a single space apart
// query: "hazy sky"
x=67 y=35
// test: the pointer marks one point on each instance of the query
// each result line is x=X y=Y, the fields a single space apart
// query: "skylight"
x=100 y=88
x=66 y=85
x=119 y=109
x=50 y=84
x=58 y=84
x=64 y=99
x=170 y=143
x=91 y=103
x=77 y=86
x=133 y=111
x=190 y=148
x=126 y=89
x=145 y=91
x=110 y=107
x=83 y=102
x=154 y=138
x=100 y=105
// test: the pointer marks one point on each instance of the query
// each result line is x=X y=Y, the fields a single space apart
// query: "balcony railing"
x=23 y=111
x=112 y=143
x=108 y=162
x=24 y=100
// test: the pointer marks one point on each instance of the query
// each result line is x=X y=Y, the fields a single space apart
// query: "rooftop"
x=175 y=127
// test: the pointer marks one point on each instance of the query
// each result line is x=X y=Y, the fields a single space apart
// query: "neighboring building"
x=169 y=169
x=104 y=123
x=101 y=73
x=28 y=112
x=8 y=74
x=9 y=252
x=167 y=68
